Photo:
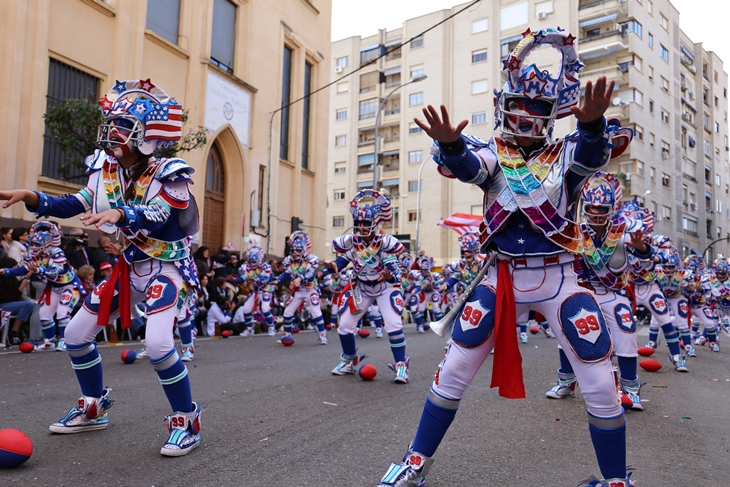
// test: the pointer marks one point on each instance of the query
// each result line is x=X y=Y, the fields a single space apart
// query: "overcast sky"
x=703 y=20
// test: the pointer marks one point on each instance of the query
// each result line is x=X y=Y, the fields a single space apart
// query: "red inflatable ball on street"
x=26 y=347
x=534 y=330
x=15 y=447
x=646 y=351
x=226 y=333
x=129 y=356
x=368 y=372
x=295 y=329
x=363 y=333
x=287 y=341
x=650 y=365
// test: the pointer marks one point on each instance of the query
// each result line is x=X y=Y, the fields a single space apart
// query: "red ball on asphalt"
x=15 y=447
x=295 y=329
x=363 y=333
x=646 y=351
x=26 y=347
x=534 y=330
x=129 y=356
x=368 y=372
x=650 y=365
x=287 y=341
x=226 y=333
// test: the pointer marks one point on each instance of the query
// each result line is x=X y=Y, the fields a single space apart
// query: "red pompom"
x=226 y=333
x=15 y=447
x=26 y=347
x=650 y=365
x=646 y=351
x=368 y=372
x=363 y=333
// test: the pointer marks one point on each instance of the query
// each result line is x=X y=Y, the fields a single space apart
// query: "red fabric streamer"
x=45 y=297
x=350 y=300
x=507 y=366
x=631 y=293
x=119 y=274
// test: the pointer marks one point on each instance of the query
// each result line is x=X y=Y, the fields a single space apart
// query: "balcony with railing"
x=615 y=35
x=612 y=72
x=595 y=8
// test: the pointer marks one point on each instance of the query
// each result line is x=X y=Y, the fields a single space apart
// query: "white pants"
x=263 y=299
x=310 y=298
x=620 y=320
x=389 y=300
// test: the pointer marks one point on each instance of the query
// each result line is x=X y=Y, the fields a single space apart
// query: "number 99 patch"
x=475 y=322
x=161 y=294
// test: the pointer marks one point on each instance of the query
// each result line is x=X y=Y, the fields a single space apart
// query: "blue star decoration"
x=539 y=36
x=141 y=108
x=120 y=86
x=575 y=66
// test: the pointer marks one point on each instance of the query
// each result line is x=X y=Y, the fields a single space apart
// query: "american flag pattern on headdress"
x=380 y=211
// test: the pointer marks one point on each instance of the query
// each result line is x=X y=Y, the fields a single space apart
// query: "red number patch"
x=471 y=315
x=154 y=292
x=626 y=318
x=178 y=422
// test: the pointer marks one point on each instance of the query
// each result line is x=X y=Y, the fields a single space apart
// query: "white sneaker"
x=46 y=345
x=323 y=338
x=272 y=331
x=248 y=332
x=142 y=353
x=188 y=354
x=61 y=346
x=523 y=337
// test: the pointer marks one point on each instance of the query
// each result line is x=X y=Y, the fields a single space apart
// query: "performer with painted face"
x=258 y=276
x=147 y=200
x=45 y=259
x=698 y=289
x=374 y=258
x=720 y=283
x=611 y=236
x=301 y=268
x=530 y=184
x=671 y=276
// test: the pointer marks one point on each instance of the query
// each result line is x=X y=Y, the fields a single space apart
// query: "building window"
x=369 y=81
x=370 y=53
x=413 y=186
x=478 y=117
x=666 y=212
x=417 y=42
x=650 y=7
x=663 y=21
x=639 y=168
x=412 y=215
x=513 y=16
x=163 y=18
x=664 y=53
x=340 y=167
x=417 y=71
x=665 y=84
x=666 y=180
x=306 y=111
x=338 y=221
x=340 y=140
x=651 y=139
x=341 y=114
x=285 y=99
x=708 y=151
x=690 y=224
x=368 y=108
x=224 y=34
x=479 y=86
x=479 y=26
x=652 y=173
x=342 y=87
x=630 y=26
x=651 y=106
x=665 y=116
x=415 y=156
x=479 y=56
x=415 y=98
x=717 y=127
x=339 y=194
x=64 y=82
x=638 y=132
x=414 y=129
x=342 y=62
x=651 y=40
x=365 y=160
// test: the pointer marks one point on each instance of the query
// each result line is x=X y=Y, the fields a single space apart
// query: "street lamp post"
x=400 y=197
x=377 y=126
x=418 y=208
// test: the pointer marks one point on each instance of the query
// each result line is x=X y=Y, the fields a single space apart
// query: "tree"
x=73 y=125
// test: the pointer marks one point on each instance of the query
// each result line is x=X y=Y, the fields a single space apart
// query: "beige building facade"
x=462 y=61
x=232 y=64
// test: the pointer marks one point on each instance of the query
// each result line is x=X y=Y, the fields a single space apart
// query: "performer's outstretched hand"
x=440 y=128
x=14 y=195
x=109 y=217
x=595 y=102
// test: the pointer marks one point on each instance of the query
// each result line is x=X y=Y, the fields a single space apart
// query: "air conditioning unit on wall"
x=339 y=69
x=542 y=15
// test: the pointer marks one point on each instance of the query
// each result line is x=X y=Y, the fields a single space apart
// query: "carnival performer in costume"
x=720 y=282
x=374 y=258
x=147 y=200
x=45 y=259
x=410 y=296
x=698 y=290
x=529 y=183
x=301 y=268
x=671 y=276
x=333 y=284
x=259 y=278
x=611 y=236
x=430 y=295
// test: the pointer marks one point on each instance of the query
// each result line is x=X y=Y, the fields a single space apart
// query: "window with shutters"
x=224 y=35
x=163 y=18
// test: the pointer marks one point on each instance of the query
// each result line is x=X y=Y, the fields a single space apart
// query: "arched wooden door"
x=214 y=206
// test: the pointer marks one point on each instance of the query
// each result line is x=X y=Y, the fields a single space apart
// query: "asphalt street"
x=276 y=417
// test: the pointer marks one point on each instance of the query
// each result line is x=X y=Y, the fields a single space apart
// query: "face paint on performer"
x=523 y=116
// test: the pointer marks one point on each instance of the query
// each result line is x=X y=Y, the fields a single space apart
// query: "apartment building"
x=231 y=63
x=637 y=43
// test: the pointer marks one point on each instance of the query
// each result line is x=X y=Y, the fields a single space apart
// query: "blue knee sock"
x=186 y=333
x=86 y=362
x=671 y=336
x=349 y=347
x=523 y=327
x=565 y=366
x=62 y=327
x=610 y=446
x=49 y=329
x=653 y=334
x=333 y=319
x=545 y=326
x=627 y=367
x=319 y=323
x=686 y=338
x=174 y=379
x=695 y=327
x=419 y=318
x=269 y=318
x=398 y=345
x=435 y=421
x=288 y=324
x=248 y=320
x=711 y=335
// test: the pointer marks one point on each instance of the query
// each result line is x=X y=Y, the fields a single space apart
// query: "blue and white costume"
x=156 y=265
x=671 y=276
x=258 y=275
x=374 y=258
x=529 y=194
